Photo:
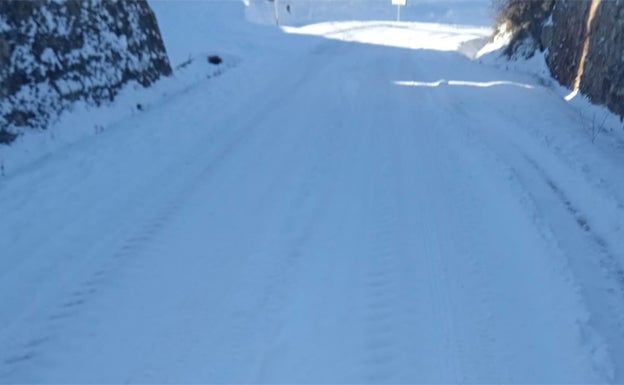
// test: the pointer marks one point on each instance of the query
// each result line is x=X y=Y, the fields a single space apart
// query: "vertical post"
x=398 y=12
x=276 y=12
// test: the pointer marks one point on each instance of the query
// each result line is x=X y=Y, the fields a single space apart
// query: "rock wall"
x=603 y=79
x=563 y=35
x=564 y=38
x=55 y=52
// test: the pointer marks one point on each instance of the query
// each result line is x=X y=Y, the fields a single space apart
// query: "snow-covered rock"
x=53 y=53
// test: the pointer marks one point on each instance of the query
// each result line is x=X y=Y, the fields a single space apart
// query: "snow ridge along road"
x=329 y=211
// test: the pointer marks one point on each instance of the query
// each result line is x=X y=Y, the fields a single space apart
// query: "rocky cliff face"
x=603 y=78
x=563 y=35
x=55 y=52
x=564 y=38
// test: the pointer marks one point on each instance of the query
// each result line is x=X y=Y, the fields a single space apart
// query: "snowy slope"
x=353 y=203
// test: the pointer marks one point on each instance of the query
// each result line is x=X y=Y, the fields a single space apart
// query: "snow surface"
x=346 y=202
x=303 y=12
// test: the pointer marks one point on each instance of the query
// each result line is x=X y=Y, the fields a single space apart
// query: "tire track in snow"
x=130 y=247
x=440 y=306
x=510 y=160
x=437 y=333
x=380 y=358
x=473 y=295
x=610 y=288
x=608 y=261
x=185 y=177
x=445 y=274
x=312 y=191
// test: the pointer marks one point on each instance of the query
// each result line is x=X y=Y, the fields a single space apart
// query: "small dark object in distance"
x=214 y=59
x=139 y=107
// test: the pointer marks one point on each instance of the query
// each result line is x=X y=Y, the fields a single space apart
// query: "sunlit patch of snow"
x=408 y=35
x=461 y=83
x=571 y=95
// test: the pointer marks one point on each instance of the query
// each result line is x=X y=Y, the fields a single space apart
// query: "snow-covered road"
x=332 y=212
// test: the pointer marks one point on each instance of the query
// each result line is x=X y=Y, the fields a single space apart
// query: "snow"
x=341 y=202
x=403 y=35
x=49 y=57
x=3 y=25
x=304 y=12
